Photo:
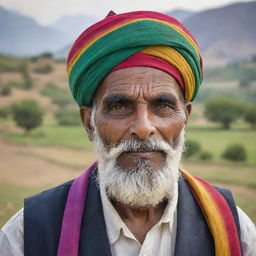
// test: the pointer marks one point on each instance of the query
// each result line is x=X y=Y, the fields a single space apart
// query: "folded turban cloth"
x=140 y=38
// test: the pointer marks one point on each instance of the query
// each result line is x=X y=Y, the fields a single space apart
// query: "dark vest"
x=43 y=215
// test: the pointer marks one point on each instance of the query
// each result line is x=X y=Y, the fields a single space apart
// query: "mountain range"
x=23 y=36
x=224 y=34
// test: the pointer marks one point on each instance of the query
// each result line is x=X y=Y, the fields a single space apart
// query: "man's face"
x=139 y=103
x=137 y=122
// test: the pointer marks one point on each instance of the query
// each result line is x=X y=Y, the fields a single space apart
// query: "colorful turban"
x=159 y=40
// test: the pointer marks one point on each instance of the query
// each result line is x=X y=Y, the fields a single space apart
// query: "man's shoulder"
x=54 y=192
x=50 y=202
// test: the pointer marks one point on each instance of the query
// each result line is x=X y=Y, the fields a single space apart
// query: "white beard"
x=143 y=186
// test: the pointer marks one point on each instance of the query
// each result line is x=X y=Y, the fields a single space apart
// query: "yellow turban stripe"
x=171 y=56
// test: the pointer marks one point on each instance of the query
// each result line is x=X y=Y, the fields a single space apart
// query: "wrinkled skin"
x=138 y=102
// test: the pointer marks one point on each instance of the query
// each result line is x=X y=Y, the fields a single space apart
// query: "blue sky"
x=48 y=11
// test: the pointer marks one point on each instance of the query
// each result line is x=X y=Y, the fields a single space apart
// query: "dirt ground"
x=40 y=166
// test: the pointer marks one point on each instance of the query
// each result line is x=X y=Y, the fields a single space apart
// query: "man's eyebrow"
x=115 y=98
x=165 y=98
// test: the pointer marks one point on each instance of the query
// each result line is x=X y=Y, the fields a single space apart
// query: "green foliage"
x=254 y=58
x=6 y=90
x=9 y=64
x=235 y=152
x=27 y=114
x=4 y=113
x=28 y=83
x=60 y=60
x=244 y=83
x=57 y=95
x=191 y=148
x=205 y=155
x=13 y=84
x=44 y=69
x=224 y=111
x=232 y=71
x=68 y=117
x=46 y=55
x=34 y=59
x=250 y=116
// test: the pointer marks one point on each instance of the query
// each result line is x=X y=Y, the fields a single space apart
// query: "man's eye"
x=163 y=106
x=117 y=107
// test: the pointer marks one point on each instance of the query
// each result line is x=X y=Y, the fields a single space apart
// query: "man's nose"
x=142 y=126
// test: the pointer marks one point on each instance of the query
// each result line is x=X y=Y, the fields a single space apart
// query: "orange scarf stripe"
x=213 y=216
x=102 y=34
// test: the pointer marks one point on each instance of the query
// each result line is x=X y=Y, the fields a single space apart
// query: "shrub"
x=235 y=152
x=68 y=117
x=191 y=148
x=3 y=113
x=9 y=64
x=205 y=155
x=28 y=83
x=57 y=95
x=224 y=111
x=27 y=114
x=46 y=55
x=14 y=84
x=6 y=90
x=244 y=83
x=250 y=116
x=45 y=69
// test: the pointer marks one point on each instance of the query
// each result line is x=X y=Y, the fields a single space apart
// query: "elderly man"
x=133 y=76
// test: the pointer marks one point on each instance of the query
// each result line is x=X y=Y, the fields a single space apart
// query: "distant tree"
x=47 y=55
x=235 y=152
x=254 y=58
x=244 y=83
x=6 y=90
x=28 y=83
x=45 y=69
x=224 y=111
x=27 y=114
x=3 y=113
x=191 y=148
x=69 y=117
x=250 y=116
x=205 y=155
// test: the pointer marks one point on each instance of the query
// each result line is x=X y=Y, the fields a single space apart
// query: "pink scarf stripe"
x=73 y=214
x=119 y=19
x=140 y=59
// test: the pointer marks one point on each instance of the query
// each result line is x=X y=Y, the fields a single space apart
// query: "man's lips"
x=142 y=154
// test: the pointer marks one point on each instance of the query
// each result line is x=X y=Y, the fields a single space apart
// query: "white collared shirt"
x=160 y=239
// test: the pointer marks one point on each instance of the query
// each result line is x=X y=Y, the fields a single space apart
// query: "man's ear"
x=85 y=114
x=188 y=109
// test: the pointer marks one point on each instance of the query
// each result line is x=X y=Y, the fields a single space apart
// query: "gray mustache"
x=137 y=145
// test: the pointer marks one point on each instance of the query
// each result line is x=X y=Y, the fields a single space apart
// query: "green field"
x=215 y=140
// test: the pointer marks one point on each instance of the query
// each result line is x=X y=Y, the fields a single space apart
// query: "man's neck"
x=141 y=220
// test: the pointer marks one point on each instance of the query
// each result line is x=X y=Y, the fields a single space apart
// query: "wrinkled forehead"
x=135 y=80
